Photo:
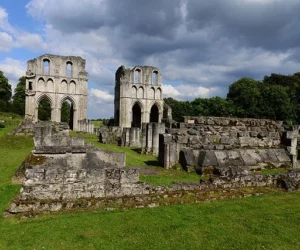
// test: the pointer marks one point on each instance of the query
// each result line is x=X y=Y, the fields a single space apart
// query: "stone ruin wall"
x=76 y=175
x=146 y=138
x=55 y=83
x=219 y=141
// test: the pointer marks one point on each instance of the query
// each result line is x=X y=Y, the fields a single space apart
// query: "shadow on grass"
x=154 y=163
x=137 y=150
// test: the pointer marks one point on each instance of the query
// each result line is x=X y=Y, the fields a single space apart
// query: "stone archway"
x=44 y=108
x=67 y=110
x=154 y=113
x=136 y=116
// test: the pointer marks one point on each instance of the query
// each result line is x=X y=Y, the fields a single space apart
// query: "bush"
x=2 y=125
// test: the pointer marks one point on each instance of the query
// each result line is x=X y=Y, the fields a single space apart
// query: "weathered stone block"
x=207 y=158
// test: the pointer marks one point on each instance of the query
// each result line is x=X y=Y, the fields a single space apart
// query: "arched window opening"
x=151 y=93
x=134 y=92
x=154 y=77
x=141 y=93
x=50 y=85
x=137 y=76
x=46 y=66
x=136 y=116
x=154 y=114
x=158 y=94
x=41 y=85
x=44 y=109
x=72 y=87
x=69 y=69
x=30 y=86
x=67 y=113
x=64 y=86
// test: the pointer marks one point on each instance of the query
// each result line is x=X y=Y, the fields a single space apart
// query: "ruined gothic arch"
x=155 y=112
x=47 y=96
x=56 y=86
x=73 y=109
x=46 y=66
x=137 y=76
x=137 y=113
x=72 y=87
x=68 y=97
x=38 y=101
x=49 y=85
x=134 y=92
x=158 y=94
x=63 y=88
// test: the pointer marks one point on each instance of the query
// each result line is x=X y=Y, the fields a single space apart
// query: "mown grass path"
x=265 y=222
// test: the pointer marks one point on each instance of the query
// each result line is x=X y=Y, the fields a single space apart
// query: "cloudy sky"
x=200 y=46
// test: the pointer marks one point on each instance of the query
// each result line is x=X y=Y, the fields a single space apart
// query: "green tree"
x=215 y=106
x=276 y=103
x=5 y=93
x=44 y=110
x=65 y=112
x=246 y=97
x=180 y=108
x=19 y=97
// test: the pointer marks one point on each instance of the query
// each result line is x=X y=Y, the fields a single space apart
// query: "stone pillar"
x=155 y=138
x=132 y=137
x=165 y=147
x=149 y=137
x=291 y=145
x=125 y=137
x=36 y=113
x=75 y=119
x=144 y=136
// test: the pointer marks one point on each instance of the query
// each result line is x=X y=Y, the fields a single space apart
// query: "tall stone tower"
x=57 y=79
x=138 y=96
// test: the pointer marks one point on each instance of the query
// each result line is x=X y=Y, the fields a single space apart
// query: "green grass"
x=132 y=157
x=97 y=124
x=264 y=222
x=274 y=171
x=169 y=177
x=11 y=121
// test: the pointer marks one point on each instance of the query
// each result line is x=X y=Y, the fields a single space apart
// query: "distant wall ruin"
x=215 y=141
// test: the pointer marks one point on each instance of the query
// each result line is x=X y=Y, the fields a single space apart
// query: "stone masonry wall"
x=230 y=139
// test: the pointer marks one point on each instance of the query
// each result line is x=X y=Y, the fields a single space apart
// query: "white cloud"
x=6 y=41
x=100 y=104
x=184 y=92
x=33 y=42
x=13 y=70
x=100 y=96
x=24 y=39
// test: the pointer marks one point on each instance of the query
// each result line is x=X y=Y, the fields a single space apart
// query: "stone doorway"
x=44 y=109
x=136 y=116
x=67 y=112
x=154 y=114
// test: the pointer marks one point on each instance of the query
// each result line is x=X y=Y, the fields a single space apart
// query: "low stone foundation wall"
x=111 y=189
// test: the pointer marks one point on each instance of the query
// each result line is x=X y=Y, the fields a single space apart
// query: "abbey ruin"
x=64 y=172
x=57 y=79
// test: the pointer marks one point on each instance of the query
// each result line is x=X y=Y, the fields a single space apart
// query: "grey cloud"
x=217 y=40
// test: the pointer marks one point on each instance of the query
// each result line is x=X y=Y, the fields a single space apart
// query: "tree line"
x=276 y=97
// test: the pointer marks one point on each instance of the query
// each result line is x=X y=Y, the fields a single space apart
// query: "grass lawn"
x=97 y=124
x=265 y=222
x=11 y=120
